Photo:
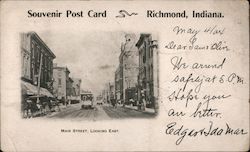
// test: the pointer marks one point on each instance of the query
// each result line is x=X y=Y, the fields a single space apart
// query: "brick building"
x=118 y=82
x=129 y=68
x=36 y=56
x=148 y=69
x=62 y=83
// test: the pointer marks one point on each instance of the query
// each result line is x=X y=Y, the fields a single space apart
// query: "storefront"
x=29 y=104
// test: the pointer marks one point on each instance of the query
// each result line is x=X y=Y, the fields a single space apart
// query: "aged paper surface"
x=124 y=76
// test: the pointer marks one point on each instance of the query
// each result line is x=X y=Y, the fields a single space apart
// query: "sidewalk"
x=62 y=108
x=147 y=110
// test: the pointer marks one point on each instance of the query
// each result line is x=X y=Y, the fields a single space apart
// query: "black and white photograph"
x=89 y=76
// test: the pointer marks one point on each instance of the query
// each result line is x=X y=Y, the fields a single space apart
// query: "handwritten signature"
x=211 y=130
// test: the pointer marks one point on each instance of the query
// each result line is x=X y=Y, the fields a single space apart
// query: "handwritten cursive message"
x=195 y=94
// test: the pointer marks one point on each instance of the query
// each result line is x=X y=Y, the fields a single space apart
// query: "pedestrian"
x=131 y=101
x=25 y=108
x=49 y=105
x=57 y=105
x=34 y=109
x=112 y=102
x=66 y=102
x=39 y=108
x=43 y=108
x=143 y=102
x=29 y=108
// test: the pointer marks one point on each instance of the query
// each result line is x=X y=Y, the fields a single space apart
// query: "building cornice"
x=140 y=41
x=48 y=49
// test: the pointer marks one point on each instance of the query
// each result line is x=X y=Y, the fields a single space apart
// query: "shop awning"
x=45 y=92
x=30 y=89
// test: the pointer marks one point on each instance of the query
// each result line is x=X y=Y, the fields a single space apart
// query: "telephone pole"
x=39 y=78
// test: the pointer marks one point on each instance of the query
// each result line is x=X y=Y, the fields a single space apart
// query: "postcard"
x=125 y=75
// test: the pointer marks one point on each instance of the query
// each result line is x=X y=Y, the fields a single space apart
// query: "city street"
x=99 y=112
x=54 y=89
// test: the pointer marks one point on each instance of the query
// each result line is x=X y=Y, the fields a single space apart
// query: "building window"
x=152 y=72
x=59 y=73
x=59 y=81
x=144 y=58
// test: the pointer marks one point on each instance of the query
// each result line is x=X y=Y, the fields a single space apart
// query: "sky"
x=90 y=56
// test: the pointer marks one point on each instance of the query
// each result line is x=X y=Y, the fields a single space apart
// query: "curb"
x=140 y=110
